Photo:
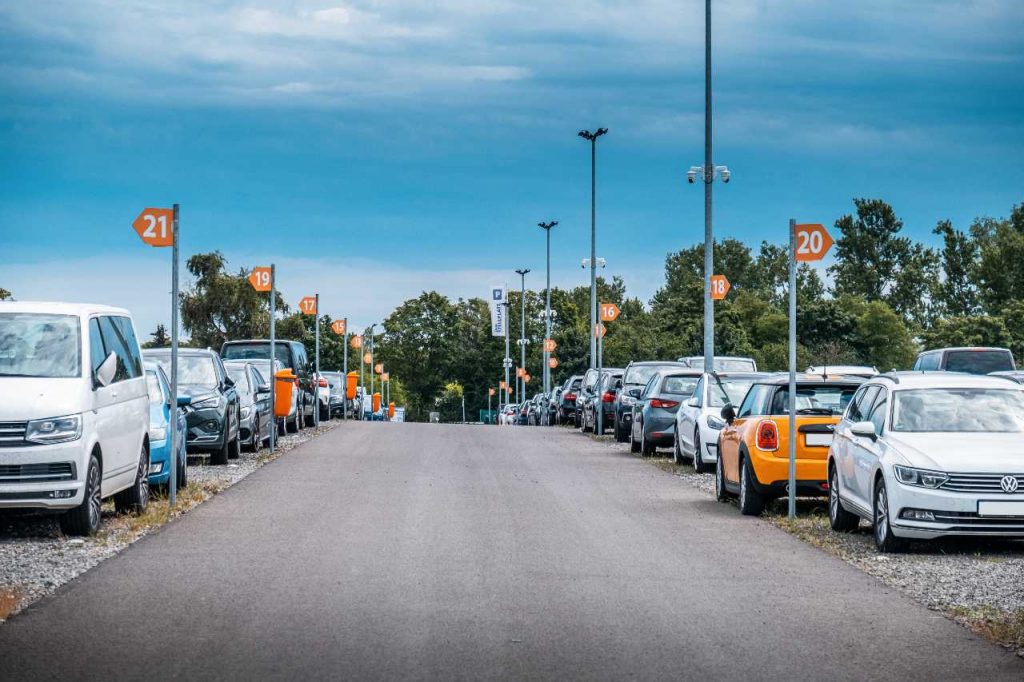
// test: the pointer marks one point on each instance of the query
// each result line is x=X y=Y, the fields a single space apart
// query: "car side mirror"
x=864 y=430
x=729 y=414
x=263 y=390
x=692 y=402
x=105 y=372
x=634 y=392
x=229 y=382
x=184 y=400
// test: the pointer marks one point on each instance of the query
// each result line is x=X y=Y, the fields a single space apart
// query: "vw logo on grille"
x=1009 y=484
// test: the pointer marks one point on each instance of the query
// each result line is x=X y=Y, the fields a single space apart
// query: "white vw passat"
x=927 y=454
x=699 y=419
x=74 y=412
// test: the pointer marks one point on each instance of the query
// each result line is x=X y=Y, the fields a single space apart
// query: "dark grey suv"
x=635 y=377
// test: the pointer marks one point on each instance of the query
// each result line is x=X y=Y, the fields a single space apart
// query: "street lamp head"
x=725 y=174
x=548 y=225
x=522 y=273
x=600 y=132
x=587 y=135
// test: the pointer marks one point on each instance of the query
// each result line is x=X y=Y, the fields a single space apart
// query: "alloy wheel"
x=95 y=501
x=881 y=515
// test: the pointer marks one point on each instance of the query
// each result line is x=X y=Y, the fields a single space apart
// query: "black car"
x=567 y=398
x=635 y=377
x=603 y=395
x=588 y=391
x=337 y=384
x=292 y=355
x=213 y=423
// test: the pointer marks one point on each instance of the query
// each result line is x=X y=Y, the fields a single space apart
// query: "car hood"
x=961 y=452
x=25 y=398
x=197 y=393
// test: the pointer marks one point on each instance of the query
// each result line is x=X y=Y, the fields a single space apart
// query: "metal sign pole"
x=598 y=406
x=273 y=355
x=316 y=391
x=792 y=369
x=344 y=372
x=372 y=368
x=172 y=497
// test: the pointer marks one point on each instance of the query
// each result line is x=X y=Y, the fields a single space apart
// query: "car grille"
x=37 y=473
x=970 y=522
x=980 y=483
x=12 y=434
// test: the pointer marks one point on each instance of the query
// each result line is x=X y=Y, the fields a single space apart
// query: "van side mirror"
x=729 y=414
x=864 y=430
x=105 y=372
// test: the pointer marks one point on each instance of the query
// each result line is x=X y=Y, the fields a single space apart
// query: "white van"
x=74 y=411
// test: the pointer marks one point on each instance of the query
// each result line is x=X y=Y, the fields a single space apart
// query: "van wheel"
x=751 y=502
x=133 y=500
x=841 y=520
x=85 y=518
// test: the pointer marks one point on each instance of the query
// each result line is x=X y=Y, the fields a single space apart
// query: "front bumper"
x=955 y=513
x=206 y=430
x=60 y=484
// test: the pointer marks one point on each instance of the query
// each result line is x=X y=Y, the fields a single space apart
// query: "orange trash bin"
x=376 y=403
x=284 y=385
x=391 y=410
x=351 y=381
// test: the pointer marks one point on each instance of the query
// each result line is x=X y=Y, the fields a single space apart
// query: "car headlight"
x=213 y=402
x=158 y=433
x=716 y=423
x=55 y=430
x=245 y=412
x=628 y=400
x=919 y=477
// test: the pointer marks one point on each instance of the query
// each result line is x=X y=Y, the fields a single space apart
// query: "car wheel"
x=699 y=466
x=221 y=455
x=235 y=450
x=254 y=440
x=181 y=479
x=646 y=449
x=885 y=540
x=293 y=425
x=85 y=518
x=620 y=433
x=721 y=494
x=677 y=454
x=751 y=502
x=134 y=499
x=839 y=519
x=634 y=446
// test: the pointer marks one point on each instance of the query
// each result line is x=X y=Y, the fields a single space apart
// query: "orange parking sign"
x=357 y=341
x=609 y=311
x=812 y=242
x=338 y=327
x=719 y=287
x=156 y=226
x=307 y=306
x=260 y=278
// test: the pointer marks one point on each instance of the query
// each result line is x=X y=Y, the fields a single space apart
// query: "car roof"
x=841 y=369
x=181 y=351
x=782 y=379
x=57 y=308
x=739 y=375
x=239 y=341
x=951 y=348
x=911 y=380
x=636 y=363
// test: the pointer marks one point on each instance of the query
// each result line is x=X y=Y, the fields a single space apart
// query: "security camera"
x=583 y=263
x=725 y=175
x=691 y=176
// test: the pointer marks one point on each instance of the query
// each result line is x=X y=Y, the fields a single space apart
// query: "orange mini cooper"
x=753 y=448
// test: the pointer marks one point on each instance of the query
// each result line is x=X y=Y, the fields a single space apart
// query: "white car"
x=723 y=363
x=927 y=454
x=845 y=370
x=699 y=419
x=74 y=412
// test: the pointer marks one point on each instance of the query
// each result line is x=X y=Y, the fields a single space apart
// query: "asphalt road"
x=416 y=551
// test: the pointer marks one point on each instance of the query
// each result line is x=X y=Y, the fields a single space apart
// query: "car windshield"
x=958 y=410
x=257 y=351
x=731 y=391
x=680 y=385
x=637 y=375
x=978 y=361
x=40 y=345
x=337 y=383
x=239 y=376
x=823 y=399
x=193 y=370
x=156 y=396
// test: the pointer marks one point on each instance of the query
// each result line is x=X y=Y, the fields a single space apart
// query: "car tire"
x=292 y=426
x=721 y=493
x=254 y=440
x=839 y=519
x=133 y=500
x=751 y=502
x=235 y=448
x=620 y=433
x=181 y=479
x=85 y=518
x=220 y=456
x=646 y=449
x=699 y=465
x=677 y=454
x=885 y=540
x=634 y=446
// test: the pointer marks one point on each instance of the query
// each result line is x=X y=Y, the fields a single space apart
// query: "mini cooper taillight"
x=767 y=436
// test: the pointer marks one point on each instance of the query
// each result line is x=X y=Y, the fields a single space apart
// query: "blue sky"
x=376 y=148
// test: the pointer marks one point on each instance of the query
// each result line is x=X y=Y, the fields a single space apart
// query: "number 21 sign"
x=155 y=226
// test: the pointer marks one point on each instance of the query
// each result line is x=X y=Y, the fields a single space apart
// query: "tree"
x=876 y=264
x=450 y=402
x=956 y=293
x=999 y=270
x=221 y=306
x=5 y=295
x=883 y=339
x=159 y=338
x=967 y=330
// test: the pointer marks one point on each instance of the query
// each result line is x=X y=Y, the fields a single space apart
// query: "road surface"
x=418 y=551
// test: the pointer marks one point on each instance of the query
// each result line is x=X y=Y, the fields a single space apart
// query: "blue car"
x=159 y=437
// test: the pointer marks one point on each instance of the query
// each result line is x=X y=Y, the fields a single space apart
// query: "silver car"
x=253 y=401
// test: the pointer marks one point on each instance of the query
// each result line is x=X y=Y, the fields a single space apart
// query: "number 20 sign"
x=812 y=242
x=156 y=226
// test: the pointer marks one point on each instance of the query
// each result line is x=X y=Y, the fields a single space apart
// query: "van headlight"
x=922 y=478
x=55 y=430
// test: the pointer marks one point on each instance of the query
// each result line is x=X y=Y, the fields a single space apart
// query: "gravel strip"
x=978 y=582
x=36 y=558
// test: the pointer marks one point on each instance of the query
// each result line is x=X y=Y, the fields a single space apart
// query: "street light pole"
x=507 y=362
x=522 y=326
x=547 y=303
x=592 y=137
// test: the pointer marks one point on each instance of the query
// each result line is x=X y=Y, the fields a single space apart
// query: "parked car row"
x=86 y=414
x=932 y=452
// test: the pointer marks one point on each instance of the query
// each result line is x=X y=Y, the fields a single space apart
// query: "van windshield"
x=257 y=351
x=979 y=361
x=40 y=345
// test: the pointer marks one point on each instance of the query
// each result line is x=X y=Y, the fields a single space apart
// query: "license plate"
x=818 y=439
x=992 y=508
